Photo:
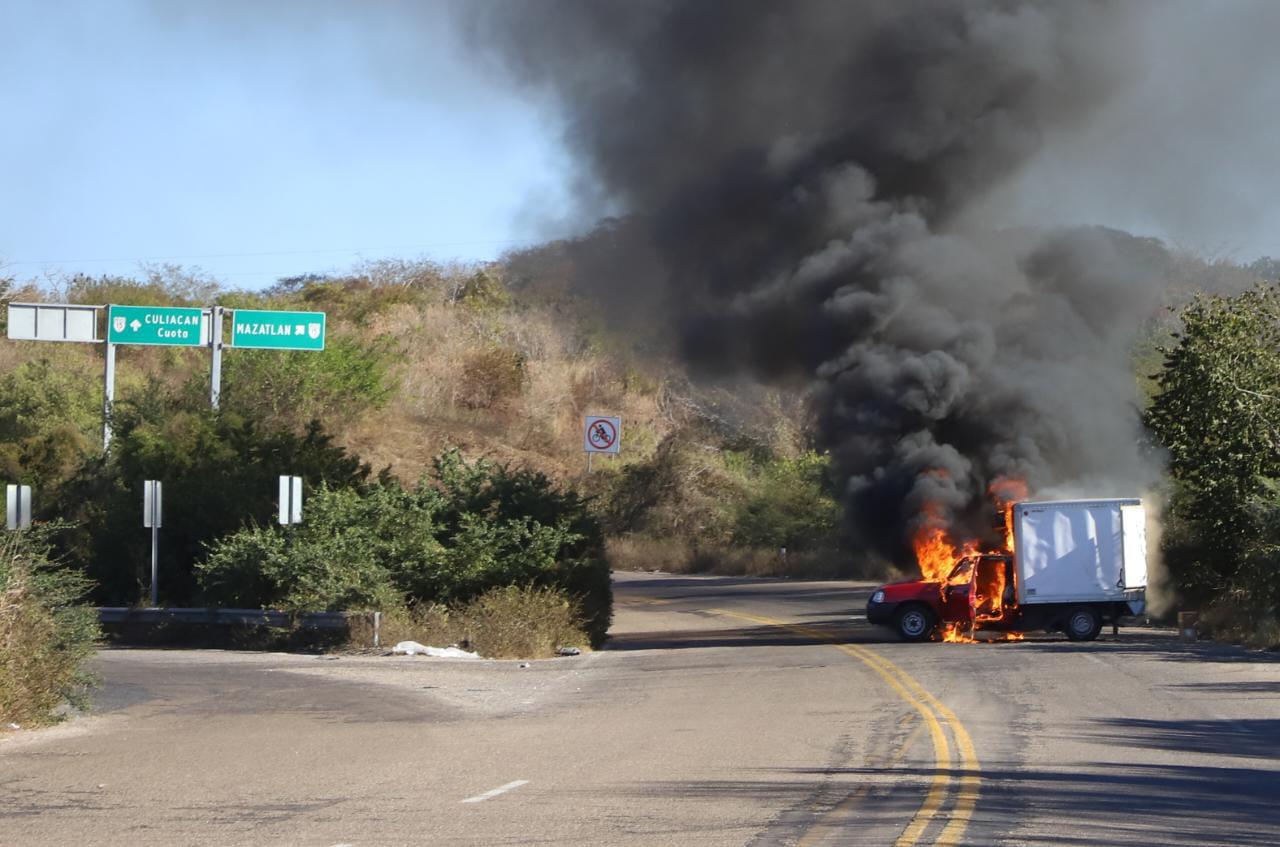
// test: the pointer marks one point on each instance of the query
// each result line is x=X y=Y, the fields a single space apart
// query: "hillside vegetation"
x=439 y=434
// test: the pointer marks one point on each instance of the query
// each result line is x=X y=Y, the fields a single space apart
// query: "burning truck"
x=1067 y=565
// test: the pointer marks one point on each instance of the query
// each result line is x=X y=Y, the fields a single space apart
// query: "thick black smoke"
x=796 y=183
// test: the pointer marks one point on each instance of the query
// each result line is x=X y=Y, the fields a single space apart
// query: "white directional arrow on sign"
x=137 y=324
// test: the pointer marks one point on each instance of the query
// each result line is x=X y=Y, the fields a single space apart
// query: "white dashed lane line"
x=501 y=789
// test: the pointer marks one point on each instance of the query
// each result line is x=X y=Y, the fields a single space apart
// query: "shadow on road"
x=1242 y=687
x=1137 y=804
x=1246 y=738
x=752 y=636
x=1151 y=645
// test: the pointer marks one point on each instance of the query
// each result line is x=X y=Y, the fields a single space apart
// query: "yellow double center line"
x=935 y=715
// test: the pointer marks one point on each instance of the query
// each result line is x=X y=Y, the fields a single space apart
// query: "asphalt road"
x=726 y=712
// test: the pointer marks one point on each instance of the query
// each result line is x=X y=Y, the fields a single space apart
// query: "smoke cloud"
x=804 y=190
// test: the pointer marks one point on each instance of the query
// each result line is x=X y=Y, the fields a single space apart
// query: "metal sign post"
x=290 y=500
x=165 y=326
x=215 y=344
x=17 y=506
x=108 y=394
x=151 y=519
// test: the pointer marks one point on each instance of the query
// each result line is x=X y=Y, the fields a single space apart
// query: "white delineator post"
x=290 y=500
x=151 y=516
x=17 y=507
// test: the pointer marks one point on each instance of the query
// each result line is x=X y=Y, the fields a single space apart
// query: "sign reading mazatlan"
x=159 y=325
x=277 y=330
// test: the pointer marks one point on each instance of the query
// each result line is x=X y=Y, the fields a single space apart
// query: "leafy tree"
x=1217 y=412
x=219 y=471
x=49 y=418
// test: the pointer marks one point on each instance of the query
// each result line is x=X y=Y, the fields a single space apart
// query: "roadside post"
x=601 y=434
x=290 y=506
x=17 y=507
x=151 y=518
x=290 y=500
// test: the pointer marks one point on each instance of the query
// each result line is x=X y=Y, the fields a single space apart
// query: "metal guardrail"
x=108 y=615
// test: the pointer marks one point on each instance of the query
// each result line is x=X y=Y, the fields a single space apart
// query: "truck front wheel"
x=915 y=623
x=1083 y=624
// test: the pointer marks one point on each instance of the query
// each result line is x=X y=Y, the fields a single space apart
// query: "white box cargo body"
x=1080 y=551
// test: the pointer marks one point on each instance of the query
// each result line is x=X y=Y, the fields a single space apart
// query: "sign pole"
x=152 y=511
x=108 y=395
x=215 y=342
x=155 y=565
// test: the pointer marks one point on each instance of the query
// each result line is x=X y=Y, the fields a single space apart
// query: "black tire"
x=915 y=622
x=1083 y=624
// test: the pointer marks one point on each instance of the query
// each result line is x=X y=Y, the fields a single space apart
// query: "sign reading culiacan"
x=251 y=328
x=158 y=325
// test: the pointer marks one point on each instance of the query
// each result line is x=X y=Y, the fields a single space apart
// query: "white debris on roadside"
x=568 y=651
x=413 y=648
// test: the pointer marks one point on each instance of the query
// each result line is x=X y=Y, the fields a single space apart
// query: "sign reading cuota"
x=277 y=330
x=161 y=325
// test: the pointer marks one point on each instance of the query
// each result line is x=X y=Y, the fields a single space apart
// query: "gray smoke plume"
x=796 y=186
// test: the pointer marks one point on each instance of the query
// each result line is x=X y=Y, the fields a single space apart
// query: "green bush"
x=45 y=632
x=219 y=471
x=290 y=387
x=467 y=528
x=790 y=505
x=697 y=490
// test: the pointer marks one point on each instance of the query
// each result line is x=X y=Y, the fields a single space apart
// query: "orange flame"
x=1006 y=491
x=954 y=634
x=937 y=553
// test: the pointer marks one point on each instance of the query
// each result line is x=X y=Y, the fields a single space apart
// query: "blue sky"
x=260 y=140
x=256 y=145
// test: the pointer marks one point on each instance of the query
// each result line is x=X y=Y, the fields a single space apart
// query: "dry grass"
x=42 y=643
x=515 y=622
x=1241 y=625
x=510 y=385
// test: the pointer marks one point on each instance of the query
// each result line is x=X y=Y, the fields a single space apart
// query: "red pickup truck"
x=1078 y=564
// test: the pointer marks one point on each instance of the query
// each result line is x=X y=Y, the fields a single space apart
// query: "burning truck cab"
x=1073 y=565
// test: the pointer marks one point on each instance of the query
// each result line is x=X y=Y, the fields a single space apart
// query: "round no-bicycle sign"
x=602 y=435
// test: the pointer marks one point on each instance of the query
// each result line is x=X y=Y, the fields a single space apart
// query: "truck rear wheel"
x=1083 y=624
x=915 y=623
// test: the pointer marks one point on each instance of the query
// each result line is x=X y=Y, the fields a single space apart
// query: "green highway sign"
x=277 y=330
x=164 y=325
